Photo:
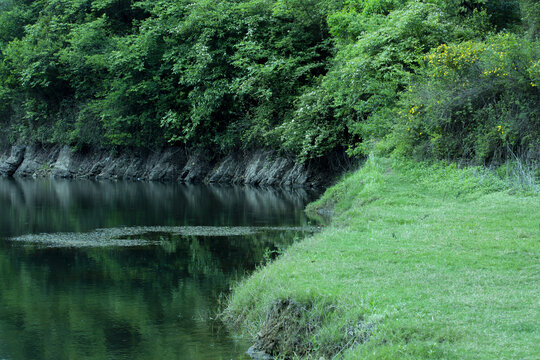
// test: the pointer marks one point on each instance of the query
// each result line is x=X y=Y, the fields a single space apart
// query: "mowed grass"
x=420 y=262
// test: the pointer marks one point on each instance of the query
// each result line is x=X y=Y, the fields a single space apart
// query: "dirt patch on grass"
x=287 y=331
x=291 y=329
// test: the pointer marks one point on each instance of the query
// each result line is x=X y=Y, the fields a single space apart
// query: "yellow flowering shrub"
x=474 y=99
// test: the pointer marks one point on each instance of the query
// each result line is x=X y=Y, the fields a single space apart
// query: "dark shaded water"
x=153 y=300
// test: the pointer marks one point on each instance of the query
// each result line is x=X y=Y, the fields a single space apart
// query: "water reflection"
x=35 y=206
x=144 y=302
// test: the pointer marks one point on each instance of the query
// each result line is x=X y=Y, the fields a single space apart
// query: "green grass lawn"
x=420 y=262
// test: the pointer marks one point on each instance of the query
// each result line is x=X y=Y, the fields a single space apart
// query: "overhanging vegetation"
x=446 y=79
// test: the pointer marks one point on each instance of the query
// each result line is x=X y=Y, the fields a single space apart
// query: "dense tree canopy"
x=448 y=79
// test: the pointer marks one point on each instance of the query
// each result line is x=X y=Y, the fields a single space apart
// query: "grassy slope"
x=428 y=262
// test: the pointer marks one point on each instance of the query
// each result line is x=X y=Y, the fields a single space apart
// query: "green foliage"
x=368 y=75
x=314 y=130
x=240 y=67
x=530 y=12
x=300 y=76
x=474 y=100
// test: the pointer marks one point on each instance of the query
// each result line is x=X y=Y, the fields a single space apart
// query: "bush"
x=473 y=100
x=376 y=57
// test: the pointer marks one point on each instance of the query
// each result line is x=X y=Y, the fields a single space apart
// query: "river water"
x=118 y=270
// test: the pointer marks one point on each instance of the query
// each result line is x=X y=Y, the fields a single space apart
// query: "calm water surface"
x=154 y=298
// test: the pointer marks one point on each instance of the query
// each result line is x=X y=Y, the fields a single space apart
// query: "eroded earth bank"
x=170 y=164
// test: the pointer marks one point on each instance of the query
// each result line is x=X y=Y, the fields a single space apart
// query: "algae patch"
x=142 y=235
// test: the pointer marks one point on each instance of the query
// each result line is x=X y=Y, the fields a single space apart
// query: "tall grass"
x=520 y=173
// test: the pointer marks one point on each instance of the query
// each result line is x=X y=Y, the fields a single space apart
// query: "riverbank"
x=420 y=262
x=260 y=167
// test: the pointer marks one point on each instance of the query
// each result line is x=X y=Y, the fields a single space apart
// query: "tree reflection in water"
x=140 y=302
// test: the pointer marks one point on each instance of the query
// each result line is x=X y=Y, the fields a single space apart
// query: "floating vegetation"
x=145 y=235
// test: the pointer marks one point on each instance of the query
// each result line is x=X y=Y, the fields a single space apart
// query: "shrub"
x=473 y=100
x=376 y=57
